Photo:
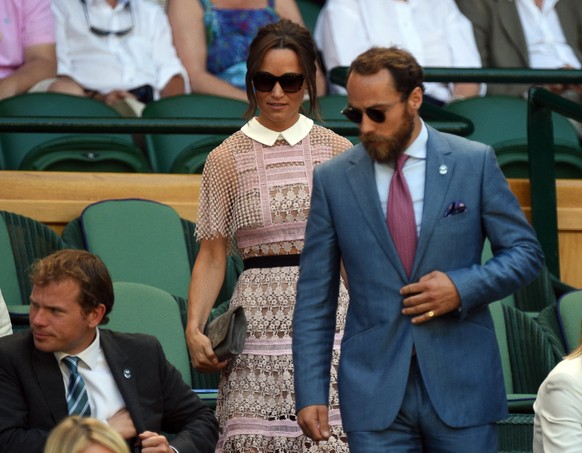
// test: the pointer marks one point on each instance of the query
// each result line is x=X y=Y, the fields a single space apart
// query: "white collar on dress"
x=255 y=130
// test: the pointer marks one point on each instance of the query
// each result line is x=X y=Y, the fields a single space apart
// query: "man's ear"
x=96 y=315
x=415 y=98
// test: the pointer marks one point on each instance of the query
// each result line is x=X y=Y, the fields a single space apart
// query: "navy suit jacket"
x=33 y=401
x=457 y=352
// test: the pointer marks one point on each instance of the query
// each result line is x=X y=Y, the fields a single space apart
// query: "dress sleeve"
x=217 y=195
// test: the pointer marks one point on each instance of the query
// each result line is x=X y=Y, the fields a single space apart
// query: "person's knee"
x=67 y=86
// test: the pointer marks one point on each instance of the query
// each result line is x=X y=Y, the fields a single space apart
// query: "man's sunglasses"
x=99 y=31
x=356 y=115
x=290 y=82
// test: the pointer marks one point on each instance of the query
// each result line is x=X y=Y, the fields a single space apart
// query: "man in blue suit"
x=420 y=367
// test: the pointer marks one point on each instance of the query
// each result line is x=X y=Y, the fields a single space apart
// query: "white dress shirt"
x=104 y=397
x=558 y=410
x=5 y=324
x=437 y=36
x=546 y=44
x=144 y=56
x=414 y=171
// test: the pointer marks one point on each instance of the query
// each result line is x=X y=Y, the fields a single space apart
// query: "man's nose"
x=367 y=125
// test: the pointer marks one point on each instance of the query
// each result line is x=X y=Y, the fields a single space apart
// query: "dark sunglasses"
x=356 y=115
x=290 y=82
x=99 y=31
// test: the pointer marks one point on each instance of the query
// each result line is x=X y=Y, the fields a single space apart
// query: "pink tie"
x=400 y=218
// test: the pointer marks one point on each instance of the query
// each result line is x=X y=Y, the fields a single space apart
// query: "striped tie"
x=77 y=398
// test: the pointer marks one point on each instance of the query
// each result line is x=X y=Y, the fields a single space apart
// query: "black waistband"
x=271 y=261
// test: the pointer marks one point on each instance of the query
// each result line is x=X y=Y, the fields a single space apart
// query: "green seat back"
x=140 y=241
x=8 y=276
x=309 y=12
x=140 y=308
x=192 y=158
x=502 y=118
x=15 y=146
x=164 y=148
x=513 y=158
x=569 y=308
x=87 y=153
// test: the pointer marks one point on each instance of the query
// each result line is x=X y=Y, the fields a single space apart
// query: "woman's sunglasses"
x=356 y=115
x=290 y=82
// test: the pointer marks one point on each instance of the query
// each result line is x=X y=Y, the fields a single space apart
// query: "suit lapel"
x=124 y=375
x=569 y=23
x=50 y=380
x=362 y=182
x=509 y=18
x=439 y=171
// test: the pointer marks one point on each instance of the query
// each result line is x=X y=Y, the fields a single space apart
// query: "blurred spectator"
x=213 y=37
x=528 y=34
x=5 y=325
x=84 y=435
x=436 y=36
x=27 y=45
x=558 y=408
x=116 y=51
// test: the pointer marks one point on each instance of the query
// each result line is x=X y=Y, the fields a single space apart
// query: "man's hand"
x=434 y=295
x=313 y=420
x=154 y=443
x=122 y=423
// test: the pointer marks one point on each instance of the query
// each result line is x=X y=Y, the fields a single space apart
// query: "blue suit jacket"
x=457 y=352
x=33 y=397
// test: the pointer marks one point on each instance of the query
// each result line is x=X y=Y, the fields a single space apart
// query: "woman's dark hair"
x=284 y=34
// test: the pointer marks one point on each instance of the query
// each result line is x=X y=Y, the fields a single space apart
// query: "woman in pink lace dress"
x=254 y=201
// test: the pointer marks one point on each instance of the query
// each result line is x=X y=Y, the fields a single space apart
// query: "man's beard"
x=387 y=149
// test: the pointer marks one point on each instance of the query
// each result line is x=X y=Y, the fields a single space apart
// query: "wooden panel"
x=55 y=198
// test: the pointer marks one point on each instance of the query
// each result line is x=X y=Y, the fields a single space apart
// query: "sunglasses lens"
x=354 y=115
x=375 y=115
x=291 y=83
x=264 y=81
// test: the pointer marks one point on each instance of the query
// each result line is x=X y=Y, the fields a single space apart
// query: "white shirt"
x=5 y=324
x=104 y=397
x=414 y=171
x=558 y=410
x=546 y=44
x=144 y=56
x=437 y=36
x=255 y=130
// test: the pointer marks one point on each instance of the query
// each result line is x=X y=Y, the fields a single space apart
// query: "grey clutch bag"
x=227 y=333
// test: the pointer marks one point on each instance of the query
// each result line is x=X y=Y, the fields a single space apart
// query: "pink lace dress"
x=258 y=197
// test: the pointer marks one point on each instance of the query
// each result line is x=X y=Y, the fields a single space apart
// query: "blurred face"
x=392 y=123
x=57 y=320
x=279 y=109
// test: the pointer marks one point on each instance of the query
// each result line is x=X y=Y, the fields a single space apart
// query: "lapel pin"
x=127 y=373
x=443 y=169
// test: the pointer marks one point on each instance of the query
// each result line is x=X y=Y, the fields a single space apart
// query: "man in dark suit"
x=502 y=38
x=123 y=379
x=420 y=367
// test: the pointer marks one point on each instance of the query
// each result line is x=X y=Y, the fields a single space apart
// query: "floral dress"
x=258 y=196
x=229 y=33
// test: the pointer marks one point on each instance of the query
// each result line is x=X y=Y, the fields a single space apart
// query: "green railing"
x=540 y=139
x=486 y=75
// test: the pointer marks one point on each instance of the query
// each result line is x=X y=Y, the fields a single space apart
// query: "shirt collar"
x=89 y=356
x=417 y=148
x=255 y=130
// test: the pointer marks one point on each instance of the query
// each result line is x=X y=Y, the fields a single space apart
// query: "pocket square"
x=456 y=207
